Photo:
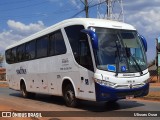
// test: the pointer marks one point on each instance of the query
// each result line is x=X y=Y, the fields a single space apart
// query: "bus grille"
x=128 y=86
x=135 y=93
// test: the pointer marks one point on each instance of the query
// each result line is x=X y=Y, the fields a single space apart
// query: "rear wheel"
x=69 y=96
x=25 y=93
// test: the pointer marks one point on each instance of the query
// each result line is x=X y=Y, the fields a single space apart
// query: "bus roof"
x=76 y=21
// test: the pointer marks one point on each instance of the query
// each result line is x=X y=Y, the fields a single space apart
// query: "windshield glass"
x=119 y=50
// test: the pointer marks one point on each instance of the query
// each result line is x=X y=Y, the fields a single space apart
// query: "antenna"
x=111 y=9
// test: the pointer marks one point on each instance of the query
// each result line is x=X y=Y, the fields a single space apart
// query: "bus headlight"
x=104 y=82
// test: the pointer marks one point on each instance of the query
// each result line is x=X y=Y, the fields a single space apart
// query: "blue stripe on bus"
x=104 y=93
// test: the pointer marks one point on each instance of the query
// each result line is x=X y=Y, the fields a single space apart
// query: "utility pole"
x=86 y=8
x=110 y=9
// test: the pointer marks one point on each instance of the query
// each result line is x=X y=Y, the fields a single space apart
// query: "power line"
x=59 y=12
x=77 y=13
x=96 y=4
x=84 y=9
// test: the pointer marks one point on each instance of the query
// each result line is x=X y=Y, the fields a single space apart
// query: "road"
x=154 y=89
x=11 y=100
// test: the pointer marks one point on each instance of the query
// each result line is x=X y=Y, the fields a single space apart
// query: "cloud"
x=76 y=3
x=7 y=38
x=60 y=3
x=23 y=29
x=17 y=31
x=139 y=5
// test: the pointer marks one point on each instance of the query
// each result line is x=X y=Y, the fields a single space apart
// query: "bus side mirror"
x=93 y=37
x=144 y=42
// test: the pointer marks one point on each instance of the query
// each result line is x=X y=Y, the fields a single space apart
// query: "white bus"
x=81 y=58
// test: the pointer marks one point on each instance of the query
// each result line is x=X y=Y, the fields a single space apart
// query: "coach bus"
x=81 y=58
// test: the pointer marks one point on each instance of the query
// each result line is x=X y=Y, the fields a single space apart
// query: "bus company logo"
x=128 y=74
x=21 y=71
x=65 y=60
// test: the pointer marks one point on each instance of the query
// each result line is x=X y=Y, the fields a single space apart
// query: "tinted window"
x=21 y=53
x=42 y=45
x=80 y=46
x=30 y=50
x=52 y=45
x=8 y=56
x=13 y=56
x=57 y=45
x=73 y=33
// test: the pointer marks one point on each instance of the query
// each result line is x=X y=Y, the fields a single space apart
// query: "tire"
x=69 y=96
x=24 y=92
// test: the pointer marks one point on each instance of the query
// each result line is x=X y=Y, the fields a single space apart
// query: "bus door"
x=87 y=89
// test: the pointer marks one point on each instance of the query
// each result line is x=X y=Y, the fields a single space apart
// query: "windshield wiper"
x=130 y=55
x=118 y=59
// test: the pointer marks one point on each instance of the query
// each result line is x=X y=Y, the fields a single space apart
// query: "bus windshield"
x=119 y=51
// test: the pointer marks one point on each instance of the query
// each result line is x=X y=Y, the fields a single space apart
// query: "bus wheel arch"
x=23 y=88
x=24 y=91
x=68 y=92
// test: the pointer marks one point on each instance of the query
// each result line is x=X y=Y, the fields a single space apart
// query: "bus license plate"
x=129 y=96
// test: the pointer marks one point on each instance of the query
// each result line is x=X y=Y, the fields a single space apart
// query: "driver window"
x=80 y=46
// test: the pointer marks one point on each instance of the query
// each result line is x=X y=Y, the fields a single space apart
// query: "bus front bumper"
x=104 y=93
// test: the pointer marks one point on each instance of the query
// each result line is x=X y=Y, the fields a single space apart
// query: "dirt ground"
x=3 y=85
x=155 y=84
x=153 y=79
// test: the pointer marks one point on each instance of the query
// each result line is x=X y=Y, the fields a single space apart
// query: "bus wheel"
x=25 y=93
x=69 y=96
x=112 y=101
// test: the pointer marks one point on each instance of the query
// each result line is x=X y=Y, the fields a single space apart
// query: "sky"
x=21 y=18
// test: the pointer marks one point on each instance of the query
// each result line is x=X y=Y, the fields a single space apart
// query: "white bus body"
x=69 y=64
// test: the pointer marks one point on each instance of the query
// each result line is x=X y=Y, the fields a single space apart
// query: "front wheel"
x=69 y=96
x=112 y=101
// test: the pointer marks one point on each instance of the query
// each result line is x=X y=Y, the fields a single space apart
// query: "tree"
x=1 y=59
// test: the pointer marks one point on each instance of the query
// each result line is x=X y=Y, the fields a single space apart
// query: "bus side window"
x=80 y=46
x=60 y=47
x=30 y=50
x=57 y=45
x=21 y=53
x=42 y=46
x=8 y=56
x=13 y=55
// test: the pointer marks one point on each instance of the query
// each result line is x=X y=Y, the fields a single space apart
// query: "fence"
x=2 y=74
x=154 y=74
